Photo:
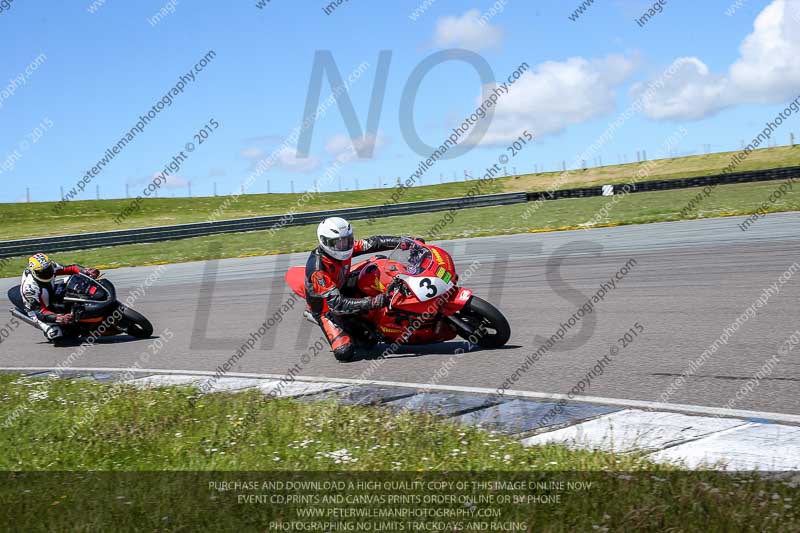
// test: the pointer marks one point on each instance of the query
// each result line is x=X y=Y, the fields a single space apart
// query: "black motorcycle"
x=93 y=305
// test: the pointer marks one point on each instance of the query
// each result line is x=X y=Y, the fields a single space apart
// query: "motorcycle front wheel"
x=135 y=324
x=483 y=324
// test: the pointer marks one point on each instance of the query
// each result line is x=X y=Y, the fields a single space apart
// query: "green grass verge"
x=39 y=219
x=97 y=429
x=636 y=208
x=118 y=427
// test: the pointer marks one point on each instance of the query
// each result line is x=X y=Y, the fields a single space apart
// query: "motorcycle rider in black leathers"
x=36 y=289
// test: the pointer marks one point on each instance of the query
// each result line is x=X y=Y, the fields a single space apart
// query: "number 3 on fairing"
x=425 y=283
x=427 y=287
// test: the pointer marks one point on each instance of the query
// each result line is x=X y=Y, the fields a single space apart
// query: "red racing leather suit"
x=325 y=277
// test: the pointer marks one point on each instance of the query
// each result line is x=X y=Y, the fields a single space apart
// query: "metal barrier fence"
x=182 y=231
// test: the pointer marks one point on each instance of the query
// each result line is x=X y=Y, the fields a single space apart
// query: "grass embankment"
x=39 y=219
x=175 y=428
x=636 y=208
x=84 y=426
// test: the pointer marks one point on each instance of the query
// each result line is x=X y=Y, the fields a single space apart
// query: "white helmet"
x=335 y=236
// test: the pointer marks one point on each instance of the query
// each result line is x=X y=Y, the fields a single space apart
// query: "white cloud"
x=769 y=67
x=693 y=92
x=285 y=159
x=288 y=161
x=556 y=94
x=265 y=139
x=252 y=153
x=174 y=182
x=766 y=71
x=467 y=31
x=341 y=146
x=167 y=182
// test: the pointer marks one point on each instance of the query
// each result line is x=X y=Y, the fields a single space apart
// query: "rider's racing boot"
x=340 y=341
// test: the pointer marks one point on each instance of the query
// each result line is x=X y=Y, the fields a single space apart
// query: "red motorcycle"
x=426 y=305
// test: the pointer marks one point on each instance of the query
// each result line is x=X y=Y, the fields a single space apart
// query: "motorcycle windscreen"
x=84 y=288
x=415 y=259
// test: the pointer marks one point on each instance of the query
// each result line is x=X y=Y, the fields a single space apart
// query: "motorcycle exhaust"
x=25 y=318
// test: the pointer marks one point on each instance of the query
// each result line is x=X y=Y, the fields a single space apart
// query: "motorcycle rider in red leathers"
x=328 y=272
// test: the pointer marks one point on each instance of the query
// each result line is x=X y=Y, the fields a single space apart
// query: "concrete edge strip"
x=754 y=455
x=618 y=402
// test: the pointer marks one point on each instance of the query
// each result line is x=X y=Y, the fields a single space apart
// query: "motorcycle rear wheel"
x=486 y=325
x=135 y=324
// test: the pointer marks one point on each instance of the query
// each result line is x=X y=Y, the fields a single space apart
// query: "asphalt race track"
x=691 y=280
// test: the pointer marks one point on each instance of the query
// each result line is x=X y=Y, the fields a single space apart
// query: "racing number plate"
x=427 y=287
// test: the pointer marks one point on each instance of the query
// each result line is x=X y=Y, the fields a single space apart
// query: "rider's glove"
x=381 y=300
x=92 y=272
x=405 y=245
x=64 y=319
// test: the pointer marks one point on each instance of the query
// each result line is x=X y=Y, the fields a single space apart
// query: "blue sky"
x=104 y=69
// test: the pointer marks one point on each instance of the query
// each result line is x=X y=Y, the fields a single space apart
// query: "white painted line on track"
x=637 y=404
x=295 y=388
x=164 y=381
